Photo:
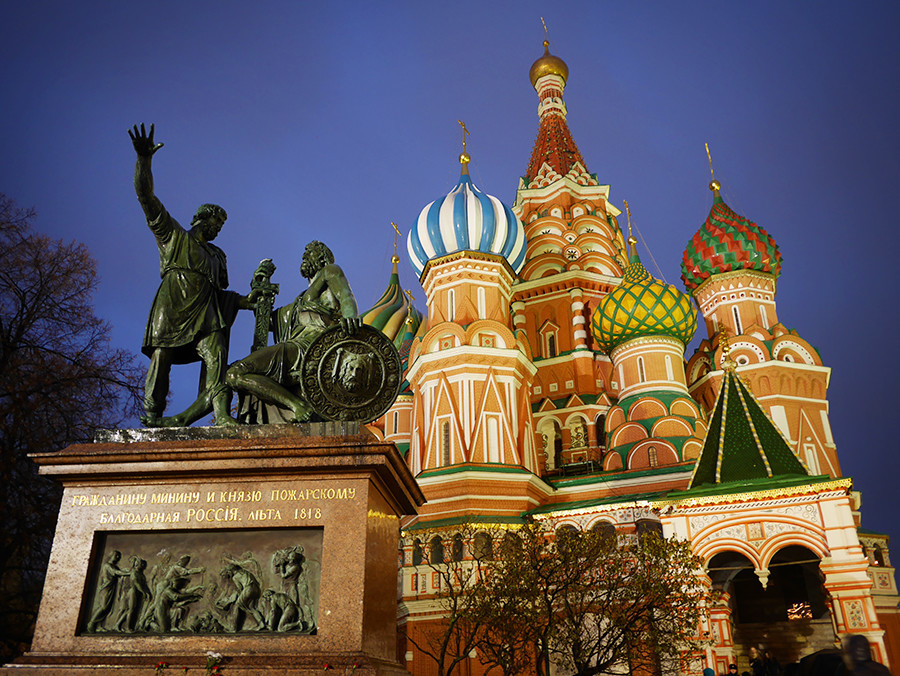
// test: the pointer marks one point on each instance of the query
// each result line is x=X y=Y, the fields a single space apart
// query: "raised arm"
x=143 y=176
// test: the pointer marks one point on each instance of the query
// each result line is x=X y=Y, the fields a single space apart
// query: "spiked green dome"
x=642 y=306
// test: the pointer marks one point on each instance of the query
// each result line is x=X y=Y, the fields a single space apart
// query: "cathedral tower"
x=731 y=267
x=472 y=443
x=575 y=256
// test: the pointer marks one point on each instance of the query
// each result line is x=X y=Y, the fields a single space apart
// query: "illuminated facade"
x=549 y=379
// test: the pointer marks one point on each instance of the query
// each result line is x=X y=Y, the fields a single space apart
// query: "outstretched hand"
x=350 y=325
x=143 y=142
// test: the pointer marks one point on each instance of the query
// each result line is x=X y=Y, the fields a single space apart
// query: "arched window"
x=417 y=552
x=482 y=303
x=649 y=528
x=670 y=373
x=764 y=318
x=653 y=458
x=458 y=547
x=878 y=556
x=605 y=528
x=600 y=426
x=436 y=550
x=483 y=546
x=642 y=375
x=395 y=419
x=565 y=536
x=549 y=342
x=512 y=544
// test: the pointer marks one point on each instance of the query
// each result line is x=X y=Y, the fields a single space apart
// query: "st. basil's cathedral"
x=549 y=380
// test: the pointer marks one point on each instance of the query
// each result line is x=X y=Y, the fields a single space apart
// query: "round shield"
x=354 y=378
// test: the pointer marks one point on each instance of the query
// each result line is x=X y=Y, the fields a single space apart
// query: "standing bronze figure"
x=192 y=313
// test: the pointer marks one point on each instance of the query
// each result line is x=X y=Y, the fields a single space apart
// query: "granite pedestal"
x=222 y=496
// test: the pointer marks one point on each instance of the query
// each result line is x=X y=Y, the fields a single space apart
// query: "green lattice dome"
x=642 y=306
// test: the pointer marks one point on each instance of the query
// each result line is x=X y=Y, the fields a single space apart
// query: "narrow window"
x=395 y=421
x=763 y=317
x=493 y=439
x=451 y=305
x=642 y=376
x=458 y=547
x=654 y=459
x=601 y=431
x=482 y=303
x=445 y=443
x=436 y=550
x=738 y=329
x=670 y=374
x=551 y=345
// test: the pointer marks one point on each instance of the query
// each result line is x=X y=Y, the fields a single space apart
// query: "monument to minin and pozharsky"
x=273 y=546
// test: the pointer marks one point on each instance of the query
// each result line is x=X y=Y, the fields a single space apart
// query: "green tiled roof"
x=742 y=442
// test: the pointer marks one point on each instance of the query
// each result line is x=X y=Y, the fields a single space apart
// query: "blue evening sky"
x=329 y=120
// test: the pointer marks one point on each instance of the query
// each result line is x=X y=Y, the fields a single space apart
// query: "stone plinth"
x=222 y=496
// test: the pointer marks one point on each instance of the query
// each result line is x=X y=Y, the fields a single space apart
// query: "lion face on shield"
x=353 y=371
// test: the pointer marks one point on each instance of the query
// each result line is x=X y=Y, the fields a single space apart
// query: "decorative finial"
x=409 y=309
x=632 y=240
x=728 y=364
x=395 y=258
x=714 y=185
x=464 y=158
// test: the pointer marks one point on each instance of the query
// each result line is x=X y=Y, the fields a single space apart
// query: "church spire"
x=554 y=145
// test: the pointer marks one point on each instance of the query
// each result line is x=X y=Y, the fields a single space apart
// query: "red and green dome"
x=642 y=306
x=728 y=242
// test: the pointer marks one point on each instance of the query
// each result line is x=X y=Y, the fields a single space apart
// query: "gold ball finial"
x=715 y=186
x=395 y=258
x=548 y=65
x=464 y=158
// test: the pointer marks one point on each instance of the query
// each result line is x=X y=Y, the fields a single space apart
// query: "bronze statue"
x=192 y=313
x=272 y=373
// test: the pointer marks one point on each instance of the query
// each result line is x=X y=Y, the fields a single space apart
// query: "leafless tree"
x=60 y=380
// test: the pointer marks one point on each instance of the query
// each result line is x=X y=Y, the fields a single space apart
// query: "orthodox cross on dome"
x=632 y=240
x=409 y=313
x=397 y=233
x=714 y=185
x=464 y=156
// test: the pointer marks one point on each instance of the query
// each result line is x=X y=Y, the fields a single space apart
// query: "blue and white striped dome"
x=466 y=220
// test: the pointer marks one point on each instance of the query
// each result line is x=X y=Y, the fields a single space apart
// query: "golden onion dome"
x=548 y=65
